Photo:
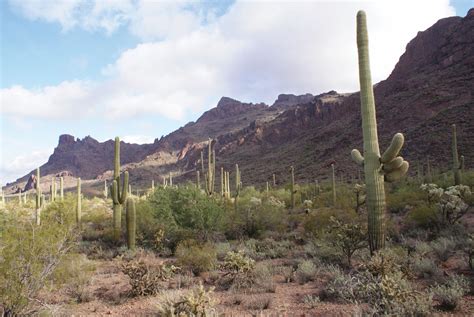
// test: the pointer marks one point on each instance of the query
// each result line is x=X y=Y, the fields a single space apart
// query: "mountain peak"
x=227 y=101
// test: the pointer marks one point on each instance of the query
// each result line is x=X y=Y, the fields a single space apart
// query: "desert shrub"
x=323 y=250
x=390 y=294
x=30 y=254
x=347 y=237
x=443 y=247
x=426 y=267
x=423 y=216
x=146 y=277
x=255 y=215
x=466 y=243
x=388 y=261
x=181 y=212
x=196 y=257
x=450 y=293
x=75 y=272
x=397 y=201
x=311 y=301
x=237 y=262
x=306 y=272
x=263 y=278
x=222 y=248
x=258 y=302
x=197 y=302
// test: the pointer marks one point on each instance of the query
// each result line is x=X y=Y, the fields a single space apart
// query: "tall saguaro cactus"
x=131 y=222
x=377 y=168
x=210 y=175
x=38 y=197
x=292 y=187
x=79 y=204
x=118 y=191
x=457 y=166
x=61 y=188
x=238 y=185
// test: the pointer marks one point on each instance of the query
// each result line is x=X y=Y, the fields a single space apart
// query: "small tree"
x=347 y=237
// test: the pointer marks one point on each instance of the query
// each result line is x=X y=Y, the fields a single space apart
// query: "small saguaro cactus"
x=79 y=203
x=457 y=166
x=268 y=187
x=333 y=181
x=38 y=197
x=429 y=176
x=292 y=187
x=61 y=188
x=152 y=184
x=274 y=180
x=377 y=168
x=131 y=223
x=198 y=180
x=227 y=186
x=171 y=179
x=118 y=191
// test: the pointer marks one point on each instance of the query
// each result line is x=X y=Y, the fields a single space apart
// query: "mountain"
x=430 y=88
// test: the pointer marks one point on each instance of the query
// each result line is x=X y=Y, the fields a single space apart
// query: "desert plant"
x=118 y=192
x=197 y=302
x=377 y=168
x=306 y=271
x=238 y=186
x=450 y=293
x=292 y=186
x=311 y=301
x=359 y=191
x=79 y=204
x=347 y=237
x=198 y=258
x=333 y=182
x=146 y=278
x=30 y=255
x=38 y=197
x=211 y=167
x=457 y=166
x=443 y=247
x=131 y=222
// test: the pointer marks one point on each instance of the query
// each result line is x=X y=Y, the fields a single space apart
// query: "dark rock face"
x=431 y=87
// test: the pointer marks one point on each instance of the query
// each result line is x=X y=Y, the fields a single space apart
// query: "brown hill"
x=430 y=88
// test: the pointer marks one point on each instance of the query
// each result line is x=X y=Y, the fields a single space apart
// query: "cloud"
x=22 y=164
x=191 y=56
x=138 y=139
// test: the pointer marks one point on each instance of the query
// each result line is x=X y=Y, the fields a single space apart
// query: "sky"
x=140 y=69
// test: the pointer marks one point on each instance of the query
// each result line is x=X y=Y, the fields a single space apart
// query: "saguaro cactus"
x=79 y=203
x=61 y=188
x=238 y=186
x=274 y=180
x=333 y=180
x=292 y=187
x=131 y=223
x=198 y=180
x=377 y=168
x=118 y=191
x=429 y=176
x=211 y=167
x=106 y=189
x=457 y=167
x=38 y=197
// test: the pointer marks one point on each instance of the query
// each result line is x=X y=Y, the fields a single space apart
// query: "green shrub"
x=426 y=267
x=306 y=271
x=443 y=247
x=30 y=254
x=237 y=262
x=423 y=216
x=196 y=257
x=449 y=294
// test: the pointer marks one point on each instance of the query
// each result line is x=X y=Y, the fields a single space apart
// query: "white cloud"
x=138 y=139
x=253 y=52
x=22 y=164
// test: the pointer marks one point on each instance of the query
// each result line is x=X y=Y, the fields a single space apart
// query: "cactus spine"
x=292 y=186
x=118 y=191
x=61 y=188
x=457 y=167
x=79 y=204
x=333 y=181
x=131 y=223
x=38 y=197
x=377 y=168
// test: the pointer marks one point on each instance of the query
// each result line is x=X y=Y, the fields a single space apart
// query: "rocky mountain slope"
x=431 y=87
